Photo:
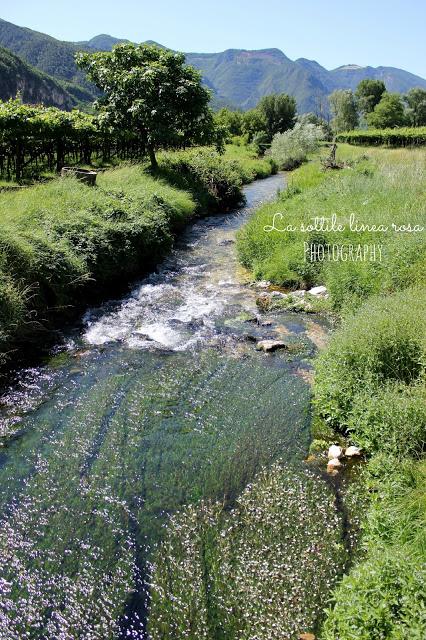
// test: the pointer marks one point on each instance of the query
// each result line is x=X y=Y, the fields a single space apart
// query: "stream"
x=152 y=402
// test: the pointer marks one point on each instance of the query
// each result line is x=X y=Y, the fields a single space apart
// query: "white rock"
x=335 y=452
x=300 y=293
x=278 y=294
x=352 y=451
x=333 y=464
x=262 y=284
x=318 y=291
x=271 y=345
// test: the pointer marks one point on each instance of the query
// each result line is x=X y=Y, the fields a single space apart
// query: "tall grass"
x=62 y=241
x=382 y=189
x=370 y=382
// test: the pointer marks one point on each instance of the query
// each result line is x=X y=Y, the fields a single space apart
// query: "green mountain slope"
x=17 y=76
x=51 y=56
x=243 y=77
x=237 y=77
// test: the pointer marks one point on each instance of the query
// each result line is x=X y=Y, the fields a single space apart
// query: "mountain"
x=237 y=77
x=35 y=86
x=243 y=77
x=51 y=56
x=102 y=42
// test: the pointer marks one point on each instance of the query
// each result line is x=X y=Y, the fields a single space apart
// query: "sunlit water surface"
x=155 y=401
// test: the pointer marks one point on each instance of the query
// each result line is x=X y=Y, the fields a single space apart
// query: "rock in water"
x=271 y=345
x=318 y=291
x=333 y=465
x=352 y=451
x=335 y=452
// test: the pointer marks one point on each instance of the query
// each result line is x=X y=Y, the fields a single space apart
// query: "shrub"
x=382 y=345
x=290 y=149
x=382 y=598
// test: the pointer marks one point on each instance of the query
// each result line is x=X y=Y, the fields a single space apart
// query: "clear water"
x=153 y=402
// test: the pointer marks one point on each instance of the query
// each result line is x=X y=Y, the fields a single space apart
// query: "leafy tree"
x=253 y=123
x=231 y=121
x=150 y=91
x=369 y=93
x=388 y=113
x=278 y=111
x=344 y=108
x=416 y=113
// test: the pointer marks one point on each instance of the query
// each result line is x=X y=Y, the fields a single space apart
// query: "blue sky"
x=381 y=32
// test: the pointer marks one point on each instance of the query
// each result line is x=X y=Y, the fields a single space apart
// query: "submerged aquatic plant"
x=258 y=571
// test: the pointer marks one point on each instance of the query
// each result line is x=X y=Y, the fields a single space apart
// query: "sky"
x=364 y=32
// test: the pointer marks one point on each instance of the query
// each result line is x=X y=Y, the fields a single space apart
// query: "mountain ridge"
x=236 y=77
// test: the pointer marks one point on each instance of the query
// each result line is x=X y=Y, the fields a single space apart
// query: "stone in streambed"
x=335 y=452
x=333 y=465
x=271 y=345
x=352 y=452
x=318 y=291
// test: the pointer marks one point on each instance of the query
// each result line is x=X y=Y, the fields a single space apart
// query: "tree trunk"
x=152 y=158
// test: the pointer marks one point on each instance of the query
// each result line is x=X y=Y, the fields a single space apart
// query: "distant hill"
x=34 y=86
x=102 y=42
x=51 y=56
x=237 y=77
x=243 y=77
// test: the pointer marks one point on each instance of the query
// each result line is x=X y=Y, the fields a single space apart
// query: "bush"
x=382 y=345
x=290 y=149
x=384 y=595
x=382 y=598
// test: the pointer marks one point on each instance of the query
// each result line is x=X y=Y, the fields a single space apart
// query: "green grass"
x=370 y=382
x=62 y=241
x=382 y=189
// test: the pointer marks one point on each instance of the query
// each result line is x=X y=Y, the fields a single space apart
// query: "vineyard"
x=399 y=137
x=34 y=139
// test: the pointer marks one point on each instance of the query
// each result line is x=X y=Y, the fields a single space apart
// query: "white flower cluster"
x=258 y=572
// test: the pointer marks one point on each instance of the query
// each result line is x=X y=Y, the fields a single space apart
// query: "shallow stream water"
x=154 y=401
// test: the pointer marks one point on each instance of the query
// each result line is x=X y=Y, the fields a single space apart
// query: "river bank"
x=64 y=244
x=369 y=386
x=158 y=401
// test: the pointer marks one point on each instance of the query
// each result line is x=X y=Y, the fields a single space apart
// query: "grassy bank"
x=370 y=385
x=378 y=186
x=62 y=243
x=370 y=381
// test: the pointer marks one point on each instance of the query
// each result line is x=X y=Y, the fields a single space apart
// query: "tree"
x=388 y=113
x=150 y=91
x=278 y=112
x=253 y=122
x=416 y=113
x=231 y=121
x=369 y=93
x=344 y=109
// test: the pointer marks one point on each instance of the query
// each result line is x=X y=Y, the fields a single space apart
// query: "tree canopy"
x=278 y=112
x=369 y=93
x=416 y=100
x=151 y=91
x=344 y=108
x=389 y=112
